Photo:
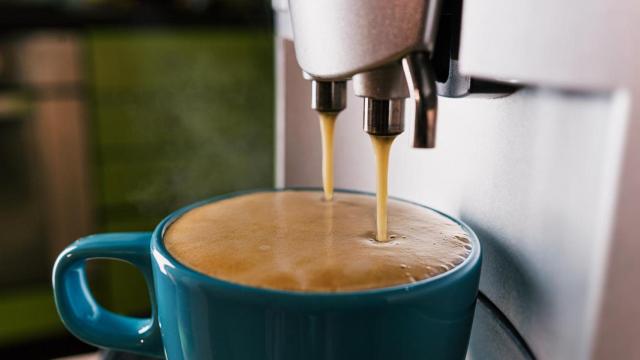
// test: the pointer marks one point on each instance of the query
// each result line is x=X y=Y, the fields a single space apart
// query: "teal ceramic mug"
x=195 y=316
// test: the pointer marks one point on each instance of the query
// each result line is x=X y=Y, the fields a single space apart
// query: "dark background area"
x=112 y=115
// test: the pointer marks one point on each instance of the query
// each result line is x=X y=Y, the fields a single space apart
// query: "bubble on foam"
x=410 y=277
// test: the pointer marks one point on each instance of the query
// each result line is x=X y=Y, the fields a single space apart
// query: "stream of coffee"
x=382 y=148
x=327 y=125
x=291 y=241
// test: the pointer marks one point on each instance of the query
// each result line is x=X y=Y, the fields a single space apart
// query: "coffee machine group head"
x=384 y=46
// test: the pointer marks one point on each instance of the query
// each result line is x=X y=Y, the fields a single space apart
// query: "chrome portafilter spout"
x=422 y=87
x=371 y=41
x=384 y=90
x=328 y=96
x=383 y=117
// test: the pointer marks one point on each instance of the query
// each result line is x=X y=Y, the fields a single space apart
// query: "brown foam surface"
x=294 y=240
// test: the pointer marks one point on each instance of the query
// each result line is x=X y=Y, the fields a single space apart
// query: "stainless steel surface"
x=385 y=82
x=328 y=96
x=457 y=85
x=384 y=90
x=383 y=117
x=422 y=86
x=335 y=39
x=366 y=39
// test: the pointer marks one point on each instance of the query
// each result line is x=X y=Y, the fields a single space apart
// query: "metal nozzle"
x=328 y=96
x=384 y=90
x=422 y=86
x=383 y=117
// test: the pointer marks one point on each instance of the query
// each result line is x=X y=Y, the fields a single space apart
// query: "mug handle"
x=80 y=312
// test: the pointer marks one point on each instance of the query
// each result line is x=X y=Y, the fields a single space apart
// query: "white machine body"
x=548 y=176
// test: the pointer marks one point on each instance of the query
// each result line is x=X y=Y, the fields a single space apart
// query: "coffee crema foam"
x=294 y=240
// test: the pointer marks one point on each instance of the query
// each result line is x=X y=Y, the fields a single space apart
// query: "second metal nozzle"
x=422 y=87
x=383 y=117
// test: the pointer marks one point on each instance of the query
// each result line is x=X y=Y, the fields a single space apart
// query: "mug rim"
x=163 y=258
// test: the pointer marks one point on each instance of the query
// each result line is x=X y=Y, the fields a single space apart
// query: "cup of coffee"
x=284 y=274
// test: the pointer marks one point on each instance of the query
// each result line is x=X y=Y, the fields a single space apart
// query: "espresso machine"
x=537 y=147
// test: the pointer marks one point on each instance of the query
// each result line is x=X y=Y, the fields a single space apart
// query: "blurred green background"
x=178 y=117
x=175 y=115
